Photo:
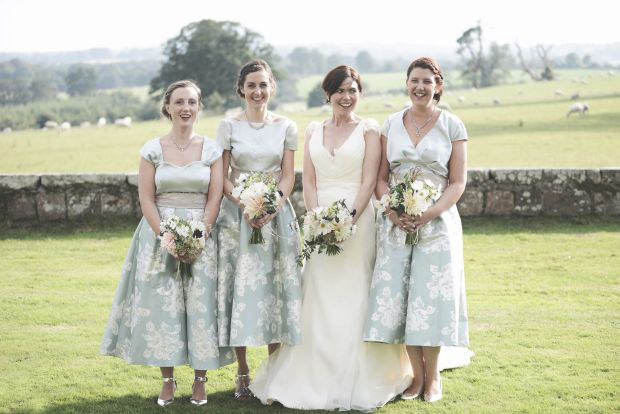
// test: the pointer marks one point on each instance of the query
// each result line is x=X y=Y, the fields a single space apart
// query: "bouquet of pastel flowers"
x=325 y=228
x=260 y=196
x=413 y=196
x=184 y=239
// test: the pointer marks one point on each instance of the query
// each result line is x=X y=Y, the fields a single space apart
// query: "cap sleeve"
x=311 y=127
x=211 y=151
x=290 y=137
x=371 y=125
x=457 y=130
x=386 y=127
x=151 y=151
x=224 y=132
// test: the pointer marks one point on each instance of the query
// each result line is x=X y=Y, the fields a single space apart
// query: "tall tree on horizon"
x=211 y=53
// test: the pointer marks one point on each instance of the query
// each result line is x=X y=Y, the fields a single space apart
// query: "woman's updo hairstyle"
x=336 y=76
x=254 y=66
x=173 y=87
x=430 y=64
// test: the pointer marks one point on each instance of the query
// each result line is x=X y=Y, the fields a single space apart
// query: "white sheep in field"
x=496 y=101
x=101 y=122
x=574 y=96
x=461 y=99
x=65 y=127
x=559 y=92
x=7 y=130
x=388 y=105
x=123 y=122
x=579 y=108
x=52 y=125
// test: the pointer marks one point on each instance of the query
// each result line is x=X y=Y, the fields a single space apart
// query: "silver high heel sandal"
x=244 y=393
x=165 y=403
x=193 y=400
x=431 y=398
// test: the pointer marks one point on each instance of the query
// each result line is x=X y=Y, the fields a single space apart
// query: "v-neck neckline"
x=402 y=121
x=341 y=145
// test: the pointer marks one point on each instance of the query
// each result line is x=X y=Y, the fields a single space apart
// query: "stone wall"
x=526 y=192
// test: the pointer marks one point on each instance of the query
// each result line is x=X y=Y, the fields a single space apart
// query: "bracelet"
x=353 y=213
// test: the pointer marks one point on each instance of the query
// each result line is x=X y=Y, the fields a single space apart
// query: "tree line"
x=211 y=52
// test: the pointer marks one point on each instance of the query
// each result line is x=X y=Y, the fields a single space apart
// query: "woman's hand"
x=397 y=220
x=261 y=221
x=412 y=224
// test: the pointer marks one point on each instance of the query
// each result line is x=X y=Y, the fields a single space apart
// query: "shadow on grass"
x=101 y=228
x=219 y=402
x=540 y=225
x=104 y=229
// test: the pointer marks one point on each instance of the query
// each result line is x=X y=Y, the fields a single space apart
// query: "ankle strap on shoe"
x=200 y=379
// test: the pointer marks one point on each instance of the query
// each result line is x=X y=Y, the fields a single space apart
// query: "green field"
x=528 y=129
x=544 y=311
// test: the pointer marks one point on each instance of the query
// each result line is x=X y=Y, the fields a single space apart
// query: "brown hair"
x=336 y=76
x=173 y=87
x=432 y=65
x=251 y=67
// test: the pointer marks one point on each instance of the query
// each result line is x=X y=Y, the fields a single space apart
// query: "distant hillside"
x=98 y=55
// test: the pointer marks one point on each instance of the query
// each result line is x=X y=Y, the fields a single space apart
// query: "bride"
x=333 y=368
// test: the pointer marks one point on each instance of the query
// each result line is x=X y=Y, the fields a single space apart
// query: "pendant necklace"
x=419 y=128
x=251 y=124
x=180 y=148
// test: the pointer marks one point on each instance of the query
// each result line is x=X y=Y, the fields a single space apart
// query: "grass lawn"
x=543 y=299
x=528 y=129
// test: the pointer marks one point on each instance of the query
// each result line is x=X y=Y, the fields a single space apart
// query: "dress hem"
x=176 y=364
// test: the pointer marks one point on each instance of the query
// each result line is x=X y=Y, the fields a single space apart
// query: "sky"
x=63 y=25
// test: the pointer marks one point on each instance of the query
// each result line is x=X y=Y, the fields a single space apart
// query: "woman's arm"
x=214 y=197
x=383 y=186
x=287 y=180
x=456 y=185
x=228 y=186
x=370 y=168
x=383 y=174
x=146 y=193
x=309 y=176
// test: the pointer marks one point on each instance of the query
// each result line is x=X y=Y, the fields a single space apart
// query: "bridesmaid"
x=158 y=317
x=259 y=291
x=418 y=292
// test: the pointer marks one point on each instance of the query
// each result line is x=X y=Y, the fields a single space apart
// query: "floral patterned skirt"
x=259 y=285
x=159 y=318
x=417 y=295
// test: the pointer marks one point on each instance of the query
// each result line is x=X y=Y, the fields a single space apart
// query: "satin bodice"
x=339 y=175
x=190 y=178
x=432 y=154
x=257 y=146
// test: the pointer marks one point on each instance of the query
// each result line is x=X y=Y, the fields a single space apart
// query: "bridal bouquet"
x=260 y=196
x=183 y=239
x=412 y=196
x=325 y=228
